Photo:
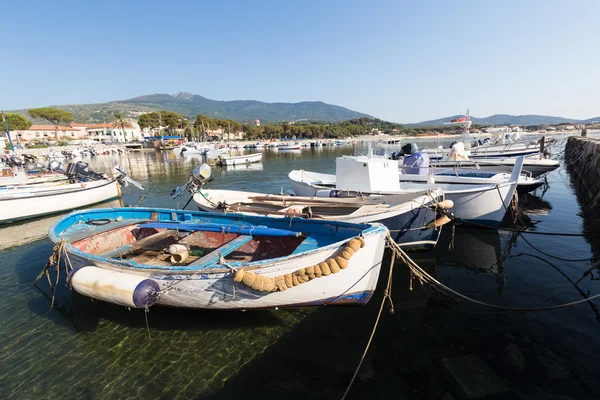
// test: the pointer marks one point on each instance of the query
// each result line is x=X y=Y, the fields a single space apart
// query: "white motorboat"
x=412 y=218
x=445 y=176
x=85 y=188
x=484 y=204
x=239 y=160
x=533 y=166
x=289 y=147
x=415 y=219
x=20 y=177
x=22 y=202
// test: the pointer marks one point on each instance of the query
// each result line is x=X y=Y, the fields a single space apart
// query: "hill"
x=190 y=105
x=506 y=119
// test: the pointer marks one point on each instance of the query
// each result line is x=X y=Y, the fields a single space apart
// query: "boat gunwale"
x=370 y=229
x=7 y=196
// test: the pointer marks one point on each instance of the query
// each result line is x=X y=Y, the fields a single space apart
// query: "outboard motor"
x=199 y=177
x=78 y=170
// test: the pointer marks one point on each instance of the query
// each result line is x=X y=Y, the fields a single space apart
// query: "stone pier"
x=582 y=159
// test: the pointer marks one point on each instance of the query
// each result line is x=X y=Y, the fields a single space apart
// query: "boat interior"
x=204 y=249
x=206 y=242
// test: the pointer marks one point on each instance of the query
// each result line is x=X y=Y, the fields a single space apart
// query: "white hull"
x=29 y=202
x=22 y=178
x=240 y=160
x=483 y=204
x=215 y=289
x=286 y=147
x=533 y=166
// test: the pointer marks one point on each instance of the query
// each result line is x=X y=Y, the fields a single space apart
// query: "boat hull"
x=530 y=166
x=21 y=204
x=406 y=220
x=481 y=204
x=240 y=160
x=214 y=288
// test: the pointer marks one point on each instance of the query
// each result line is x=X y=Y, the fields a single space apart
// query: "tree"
x=121 y=123
x=149 y=120
x=53 y=115
x=16 y=122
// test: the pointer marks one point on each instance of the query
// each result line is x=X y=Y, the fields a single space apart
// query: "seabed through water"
x=431 y=347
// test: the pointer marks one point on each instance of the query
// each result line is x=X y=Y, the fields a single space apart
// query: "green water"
x=93 y=350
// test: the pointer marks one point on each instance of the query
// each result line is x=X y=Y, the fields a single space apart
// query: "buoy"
x=248 y=279
x=342 y=262
x=333 y=266
x=354 y=244
x=318 y=272
x=120 y=288
x=362 y=242
x=446 y=204
x=258 y=283
x=443 y=220
x=325 y=271
x=288 y=280
x=239 y=275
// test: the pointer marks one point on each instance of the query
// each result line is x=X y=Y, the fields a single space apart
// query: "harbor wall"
x=582 y=160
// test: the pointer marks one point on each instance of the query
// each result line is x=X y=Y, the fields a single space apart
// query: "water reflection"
x=534 y=205
x=18 y=234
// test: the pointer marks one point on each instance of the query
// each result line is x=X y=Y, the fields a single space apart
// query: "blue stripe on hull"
x=350 y=298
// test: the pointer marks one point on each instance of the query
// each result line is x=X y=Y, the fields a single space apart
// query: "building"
x=46 y=133
x=108 y=133
x=257 y=122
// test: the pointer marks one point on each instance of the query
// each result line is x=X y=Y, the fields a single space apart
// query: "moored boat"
x=414 y=220
x=227 y=160
x=483 y=204
x=139 y=257
x=289 y=147
x=84 y=188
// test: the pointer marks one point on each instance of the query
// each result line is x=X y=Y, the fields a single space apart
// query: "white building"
x=106 y=132
x=47 y=132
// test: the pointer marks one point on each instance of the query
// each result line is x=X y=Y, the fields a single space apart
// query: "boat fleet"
x=320 y=244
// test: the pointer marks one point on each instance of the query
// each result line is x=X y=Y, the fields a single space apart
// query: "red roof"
x=95 y=126
x=50 y=128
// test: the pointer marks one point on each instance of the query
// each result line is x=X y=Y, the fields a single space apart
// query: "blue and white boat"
x=138 y=257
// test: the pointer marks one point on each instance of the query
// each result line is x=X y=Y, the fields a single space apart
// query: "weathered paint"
x=184 y=286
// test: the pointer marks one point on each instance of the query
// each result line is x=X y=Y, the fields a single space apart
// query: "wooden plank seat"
x=223 y=251
x=140 y=244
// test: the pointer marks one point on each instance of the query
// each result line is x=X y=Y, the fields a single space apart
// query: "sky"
x=402 y=61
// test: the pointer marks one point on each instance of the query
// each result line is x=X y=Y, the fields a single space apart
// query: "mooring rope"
x=387 y=295
x=423 y=276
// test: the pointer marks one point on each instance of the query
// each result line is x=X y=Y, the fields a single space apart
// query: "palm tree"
x=121 y=123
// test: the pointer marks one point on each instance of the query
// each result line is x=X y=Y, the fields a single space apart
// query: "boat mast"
x=8 y=131
x=466 y=131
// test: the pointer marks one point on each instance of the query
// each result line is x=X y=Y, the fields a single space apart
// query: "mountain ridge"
x=190 y=105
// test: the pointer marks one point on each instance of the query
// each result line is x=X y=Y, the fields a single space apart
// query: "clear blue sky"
x=400 y=61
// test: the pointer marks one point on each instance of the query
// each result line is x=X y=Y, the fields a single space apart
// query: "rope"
x=423 y=276
x=387 y=295
x=54 y=259
x=552 y=256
